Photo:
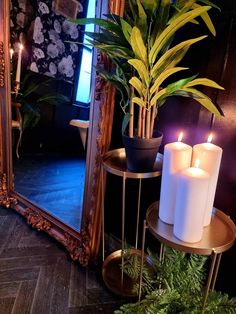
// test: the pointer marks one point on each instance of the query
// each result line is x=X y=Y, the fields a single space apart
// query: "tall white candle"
x=190 y=204
x=18 y=69
x=177 y=156
x=210 y=158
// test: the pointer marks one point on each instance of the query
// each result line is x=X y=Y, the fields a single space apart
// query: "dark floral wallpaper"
x=45 y=35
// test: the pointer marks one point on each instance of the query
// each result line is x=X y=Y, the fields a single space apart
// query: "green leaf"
x=125 y=122
x=109 y=25
x=164 y=11
x=133 y=11
x=179 y=84
x=52 y=99
x=127 y=29
x=160 y=20
x=142 y=18
x=163 y=76
x=106 y=38
x=205 y=82
x=119 y=83
x=206 y=18
x=173 y=56
x=181 y=8
x=150 y=6
x=210 y=4
x=157 y=96
x=115 y=51
x=137 y=45
x=171 y=88
x=171 y=30
x=137 y=84
x=139 y=101
x=141 y=69
x=203 y=100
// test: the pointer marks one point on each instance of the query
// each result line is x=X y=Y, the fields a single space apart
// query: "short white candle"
x=177 y=156
x=18 y=69
x=190 y=204
x=210 y=158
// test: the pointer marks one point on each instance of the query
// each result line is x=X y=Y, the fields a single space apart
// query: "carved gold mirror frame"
x=83 y=246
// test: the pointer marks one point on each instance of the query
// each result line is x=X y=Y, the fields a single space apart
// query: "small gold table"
x=217 y=238
x=114 y=162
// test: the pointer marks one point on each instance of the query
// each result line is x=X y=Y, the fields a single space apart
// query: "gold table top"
x=114 y=162
x=218 y=237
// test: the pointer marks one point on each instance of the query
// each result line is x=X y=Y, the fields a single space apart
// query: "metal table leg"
x=216 y=271
x=209 y=280
x=138 y=213
x=162 y=252
x=142 y=260
x=123 y=230
x=102 y=212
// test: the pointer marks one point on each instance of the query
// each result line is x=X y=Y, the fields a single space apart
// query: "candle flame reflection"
x=210 y=137
x=180 y=136
x=11 y=53
x=197 y=163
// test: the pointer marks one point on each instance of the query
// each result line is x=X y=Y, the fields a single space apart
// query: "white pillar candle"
x=177 y=156
x=210 y=158
x=18 y=69
x=190 y=204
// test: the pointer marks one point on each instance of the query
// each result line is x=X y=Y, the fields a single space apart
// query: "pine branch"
x=181 y=276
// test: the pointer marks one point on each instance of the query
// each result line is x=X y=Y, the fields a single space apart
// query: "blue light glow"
x=84 y=82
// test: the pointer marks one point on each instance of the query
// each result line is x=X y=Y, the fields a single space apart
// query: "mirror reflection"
x=50 y=104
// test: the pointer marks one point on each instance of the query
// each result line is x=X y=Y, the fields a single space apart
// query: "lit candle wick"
x=209 y=138
x=197 y=163
x=180 y=136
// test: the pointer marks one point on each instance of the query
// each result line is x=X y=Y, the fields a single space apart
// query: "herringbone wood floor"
x=38 y=277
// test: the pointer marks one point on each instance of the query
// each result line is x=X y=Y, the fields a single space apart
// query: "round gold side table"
x=217 y=238
x=114 y=162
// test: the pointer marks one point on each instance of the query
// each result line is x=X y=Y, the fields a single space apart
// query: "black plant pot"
x=141 y=153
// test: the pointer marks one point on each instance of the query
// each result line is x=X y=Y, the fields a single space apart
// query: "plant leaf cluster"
x=141 y=45
x=32 y=95
x=175 y=286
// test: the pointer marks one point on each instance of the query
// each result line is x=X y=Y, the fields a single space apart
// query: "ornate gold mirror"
x=83 y=242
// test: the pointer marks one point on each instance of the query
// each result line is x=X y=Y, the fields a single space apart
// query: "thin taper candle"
x=18 y=69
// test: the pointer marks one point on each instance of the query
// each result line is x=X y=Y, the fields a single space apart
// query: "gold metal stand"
x=114 y=162
x=217 y=238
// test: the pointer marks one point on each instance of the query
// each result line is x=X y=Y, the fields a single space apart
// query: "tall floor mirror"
x=51 y=150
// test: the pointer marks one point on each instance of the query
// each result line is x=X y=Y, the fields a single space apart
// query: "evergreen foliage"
x=174 y=286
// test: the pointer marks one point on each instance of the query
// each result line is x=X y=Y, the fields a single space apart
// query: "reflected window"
x=82 y=90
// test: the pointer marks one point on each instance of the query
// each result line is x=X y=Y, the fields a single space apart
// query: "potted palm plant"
x=142 y=47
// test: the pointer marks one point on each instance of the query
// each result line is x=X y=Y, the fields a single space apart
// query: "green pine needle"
x=174 y=286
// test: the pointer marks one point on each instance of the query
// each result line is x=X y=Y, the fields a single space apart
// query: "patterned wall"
x=45 y=35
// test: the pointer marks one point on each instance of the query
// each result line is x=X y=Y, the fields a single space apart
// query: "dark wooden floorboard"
x=38 y=277
x=24 y=297
x=9 y=289
x=6 y=305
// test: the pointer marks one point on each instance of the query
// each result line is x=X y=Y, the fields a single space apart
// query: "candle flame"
x=21 y=47
x=210 y=137
x=197 y=163
x=180 y=136
x=11 y=53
